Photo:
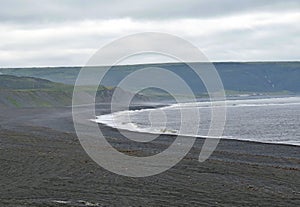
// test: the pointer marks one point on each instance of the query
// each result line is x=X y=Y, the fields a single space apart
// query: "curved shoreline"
x=201 y=137
x=160 y=106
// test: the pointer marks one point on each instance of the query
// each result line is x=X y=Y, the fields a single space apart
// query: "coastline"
x=198 y=136
x=141 y=107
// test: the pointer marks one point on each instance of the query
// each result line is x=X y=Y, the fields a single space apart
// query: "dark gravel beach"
x=43 y=164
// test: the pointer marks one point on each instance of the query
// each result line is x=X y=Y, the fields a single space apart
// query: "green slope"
x=23 y=92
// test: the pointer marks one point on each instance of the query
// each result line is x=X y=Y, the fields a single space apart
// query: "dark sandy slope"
x=43 y=164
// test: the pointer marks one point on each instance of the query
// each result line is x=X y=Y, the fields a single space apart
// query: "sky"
x=69 y=32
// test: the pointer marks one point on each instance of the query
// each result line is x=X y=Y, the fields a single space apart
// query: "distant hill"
x=23 y=92
x=13 y=82
x=252 y=77
x=32 y=92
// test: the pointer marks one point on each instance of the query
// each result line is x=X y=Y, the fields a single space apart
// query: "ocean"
x=267 y=120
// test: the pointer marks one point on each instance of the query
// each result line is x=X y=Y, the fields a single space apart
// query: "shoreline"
x=141 y=107
x=198 y=137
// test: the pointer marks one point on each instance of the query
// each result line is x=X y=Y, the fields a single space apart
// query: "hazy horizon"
x=154 y=63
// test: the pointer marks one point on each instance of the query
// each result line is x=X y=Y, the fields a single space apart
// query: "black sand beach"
x=43 y=164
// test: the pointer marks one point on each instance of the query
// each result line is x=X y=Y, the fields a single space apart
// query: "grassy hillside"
x=36 y=92
x=27 y=98
x=66 y=75
x=12 y=82
x=32 y=92
x=253 y=77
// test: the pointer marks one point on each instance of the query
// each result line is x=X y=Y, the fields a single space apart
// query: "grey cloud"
x=68 y=32
x=45 y=11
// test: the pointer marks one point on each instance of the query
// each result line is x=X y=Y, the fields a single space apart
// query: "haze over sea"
x=268 y=120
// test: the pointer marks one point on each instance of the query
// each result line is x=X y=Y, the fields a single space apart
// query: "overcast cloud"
x=68 y=32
